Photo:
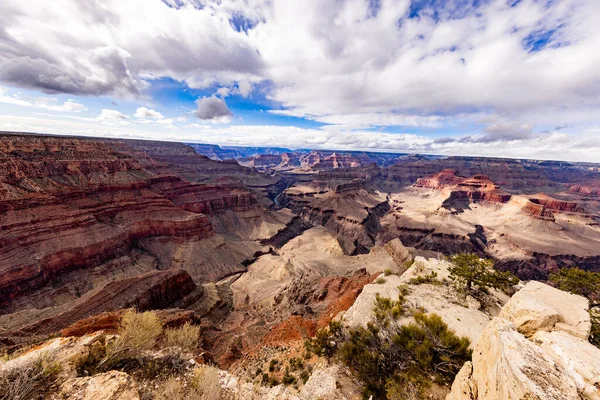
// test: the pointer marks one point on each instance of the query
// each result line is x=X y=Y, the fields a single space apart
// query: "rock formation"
x=535 y=349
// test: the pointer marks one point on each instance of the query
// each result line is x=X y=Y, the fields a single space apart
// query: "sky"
x=500 y=78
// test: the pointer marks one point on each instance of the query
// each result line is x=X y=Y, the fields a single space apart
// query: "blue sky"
x=513 y=78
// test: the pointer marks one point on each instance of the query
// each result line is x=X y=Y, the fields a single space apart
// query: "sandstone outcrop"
x=465 y=316
x=112 y=385
x=535 y=349
x=539 y=307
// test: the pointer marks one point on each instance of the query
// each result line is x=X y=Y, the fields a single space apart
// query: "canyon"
x=263 y=247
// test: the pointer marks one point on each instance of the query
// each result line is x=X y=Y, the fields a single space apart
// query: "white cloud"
x=46 y=103
x=551 y=146
x=108 y=48
x=504 y=76
x=143 y=112
x=68 y=106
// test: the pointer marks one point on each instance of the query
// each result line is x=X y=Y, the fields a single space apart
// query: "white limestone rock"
x=541 y=307
x=508 y=366
x=112 y=385
x=579 y=358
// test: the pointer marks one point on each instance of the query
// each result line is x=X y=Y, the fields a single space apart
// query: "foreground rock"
x=465 y=315
x=536 y=349
x=539 y=307
x=112 y=385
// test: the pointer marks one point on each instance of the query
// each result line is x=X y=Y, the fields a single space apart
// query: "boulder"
x=65 y=351
x=331 y=382
x=541 y=307
x=399 y=253
x=112 y=385
x=535 y=349
x=579 y=358
x=508 y=366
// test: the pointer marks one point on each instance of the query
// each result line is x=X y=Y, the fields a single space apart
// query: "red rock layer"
x=335 y=161
x=557 y=205
x=74 y=203
x=586 y=190
x=479 y=188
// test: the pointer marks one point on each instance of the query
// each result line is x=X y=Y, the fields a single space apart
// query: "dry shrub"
x=30 y=381
x=206 y=384
x=171 y=389
x=185 y=337
x=138 y=332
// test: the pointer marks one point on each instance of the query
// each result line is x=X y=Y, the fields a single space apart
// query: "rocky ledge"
x=536 y=348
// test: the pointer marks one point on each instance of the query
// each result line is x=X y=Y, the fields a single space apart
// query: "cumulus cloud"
x=146 y=113
x=213 y=109
x=109 y=48
x=354 y=65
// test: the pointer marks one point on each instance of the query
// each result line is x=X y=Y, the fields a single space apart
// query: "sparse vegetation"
x=407 y=264
x=206 y=384
x=171 y=389
x=396 y=361
x=30 y=381
x=380 y=280
x=587 y=284
x=138 y=332
x=430 y=278
x=472 y=272
x=325 y=341
x=388 y=272
x=185 y=337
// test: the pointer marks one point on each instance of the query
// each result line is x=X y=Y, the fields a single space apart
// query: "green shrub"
x=287 y=378
x=296 y=363
x=304 y=375
x=578 y=281
x=430 y=278
x=595 y=332
x=380 y=281
x=272 y=365
x=405 y=352
x=388 y=272
x=404 y=289
x=386 y=308
x=583 y=283
x=325 y=341
x=185 y=337
x=470 y=271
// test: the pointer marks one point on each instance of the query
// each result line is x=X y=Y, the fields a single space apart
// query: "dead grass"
x=185 y=337
x=31 y=381
x=205 y=384
x=137 y=332
x=171 y=389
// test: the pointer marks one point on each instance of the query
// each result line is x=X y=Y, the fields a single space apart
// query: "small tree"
x=583 y=283
x=470 y=270
x=579 y=281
